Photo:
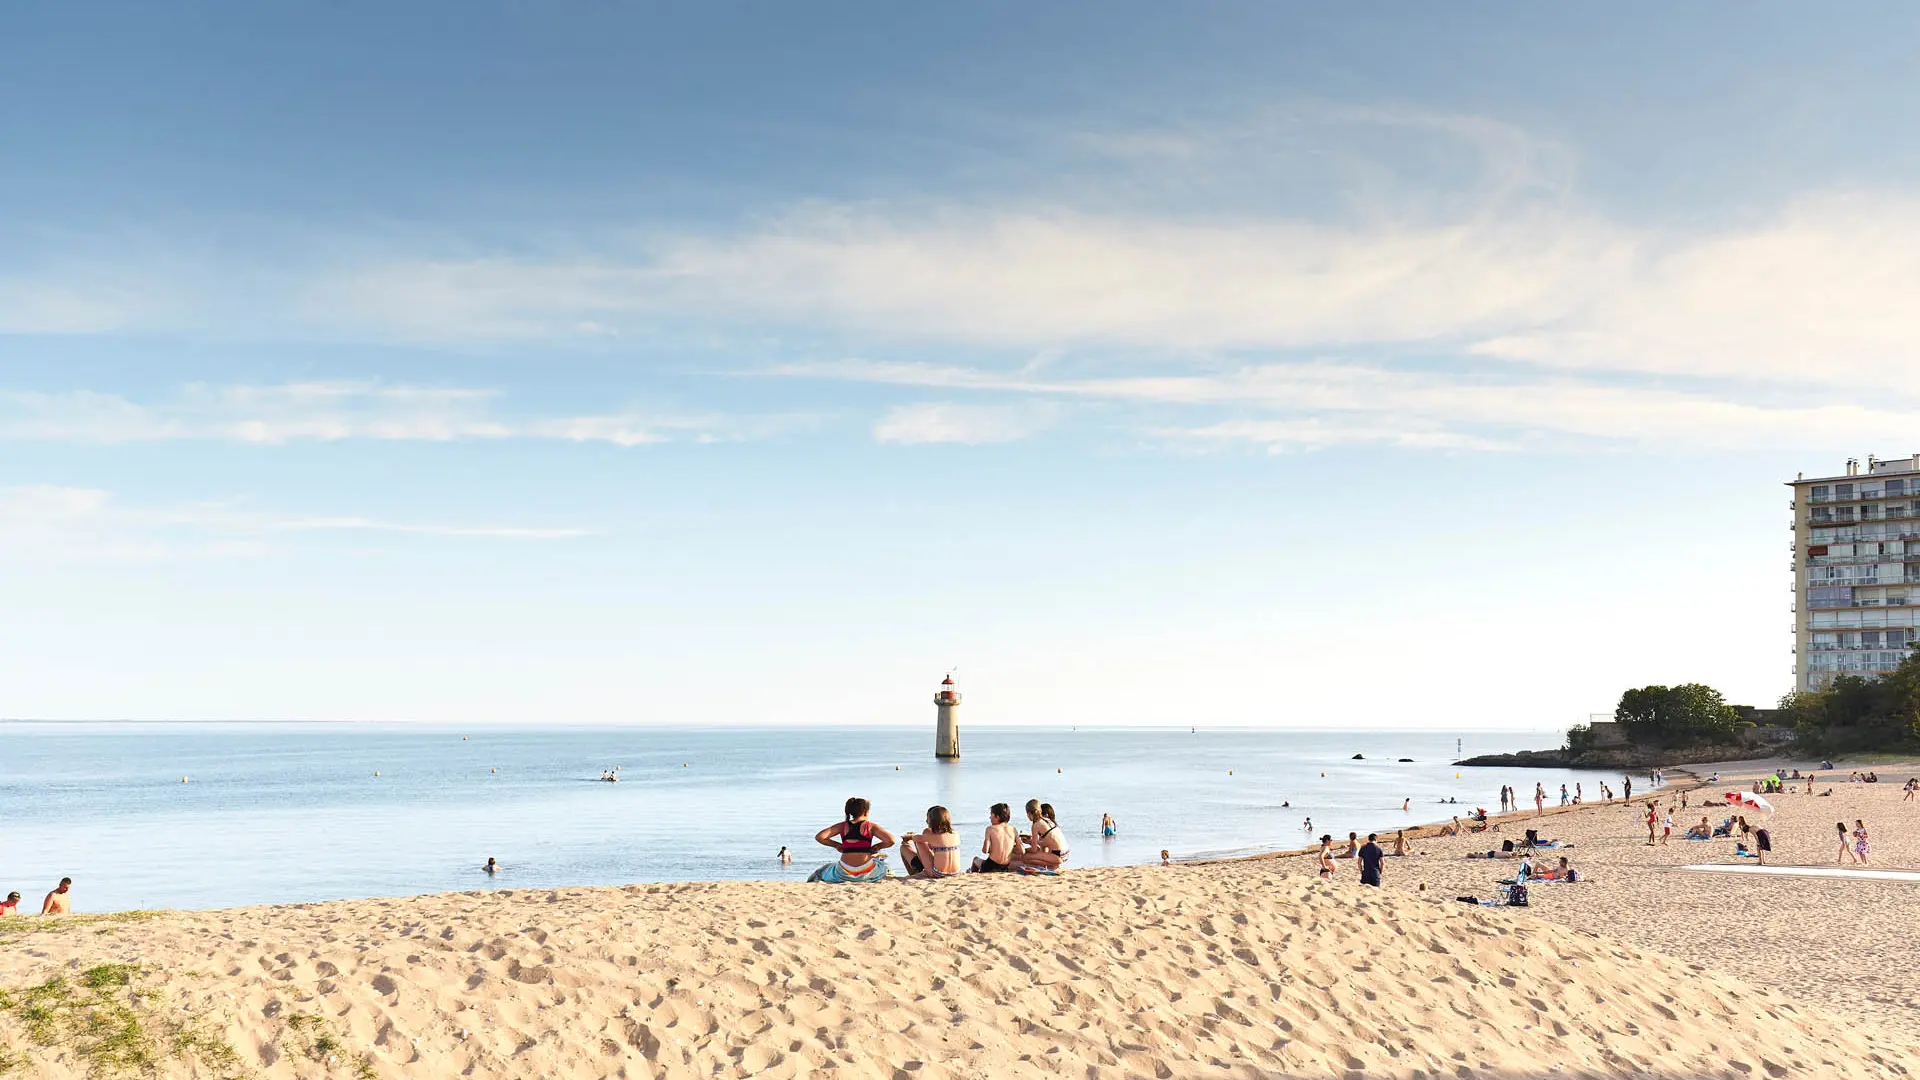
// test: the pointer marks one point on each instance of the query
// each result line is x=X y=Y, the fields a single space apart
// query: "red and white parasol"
x=1747 y=800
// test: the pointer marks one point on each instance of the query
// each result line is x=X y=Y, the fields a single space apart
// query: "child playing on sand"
x=1860 y=840
x=1846 y=849
x=861 y=843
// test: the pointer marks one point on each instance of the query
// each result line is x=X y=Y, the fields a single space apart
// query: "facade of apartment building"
x=1856 y=570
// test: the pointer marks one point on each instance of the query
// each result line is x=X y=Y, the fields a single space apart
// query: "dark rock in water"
x=1406 y=759
x=1359 y=757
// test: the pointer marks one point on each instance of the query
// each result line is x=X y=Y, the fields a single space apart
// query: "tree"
x=1676 y=715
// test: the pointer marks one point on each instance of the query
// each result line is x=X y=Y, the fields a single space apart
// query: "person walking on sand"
x=1539 y=799
x=1846 y=849
x=1653 y=818
x=1370 y=859
x=1563 y=795
x=57 y=901
x=1860 y=840
x=1666 y=825
x=1913 y=787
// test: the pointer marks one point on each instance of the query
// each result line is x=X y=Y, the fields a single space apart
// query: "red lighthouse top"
x=948 y=681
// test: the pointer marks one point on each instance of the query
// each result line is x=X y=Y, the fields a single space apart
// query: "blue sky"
x=1234 y=364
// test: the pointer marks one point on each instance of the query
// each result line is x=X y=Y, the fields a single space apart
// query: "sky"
x=1237 y=363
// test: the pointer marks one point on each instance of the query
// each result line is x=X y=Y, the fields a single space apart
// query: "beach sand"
x=1251 y=968
x=1244 y=970
x=1846 y=945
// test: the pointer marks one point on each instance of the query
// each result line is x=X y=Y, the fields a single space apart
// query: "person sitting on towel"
x=862 y=845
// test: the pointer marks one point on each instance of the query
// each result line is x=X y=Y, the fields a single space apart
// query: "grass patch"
x=105 y=1018
x=317 y=1041
x=52 y=924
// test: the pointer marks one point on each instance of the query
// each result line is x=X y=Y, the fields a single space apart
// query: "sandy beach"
x=1844 y=944
x=1253 y=968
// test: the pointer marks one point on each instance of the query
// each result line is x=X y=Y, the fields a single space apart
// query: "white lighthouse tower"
x=946 y=738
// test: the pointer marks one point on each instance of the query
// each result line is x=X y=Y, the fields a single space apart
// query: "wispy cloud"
x=1322 y=403
x=42 y=522
x=329 y=412
x=1473 y=242
x=950 y=422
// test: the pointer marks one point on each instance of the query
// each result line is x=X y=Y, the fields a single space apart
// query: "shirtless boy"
x=1002 y=842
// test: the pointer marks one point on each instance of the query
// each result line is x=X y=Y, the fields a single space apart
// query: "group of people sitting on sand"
x=935 y=853
x=58 y=902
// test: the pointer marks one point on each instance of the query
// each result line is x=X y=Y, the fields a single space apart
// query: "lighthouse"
x=946 y=738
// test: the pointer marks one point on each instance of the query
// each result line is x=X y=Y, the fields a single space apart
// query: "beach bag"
x=1517 y=896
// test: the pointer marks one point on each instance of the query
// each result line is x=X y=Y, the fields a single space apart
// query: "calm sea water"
x=283 y=813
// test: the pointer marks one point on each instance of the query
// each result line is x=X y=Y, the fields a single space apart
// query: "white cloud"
x=325 y=412
x=948 y=422
x=73 y=524
x=1321 y=403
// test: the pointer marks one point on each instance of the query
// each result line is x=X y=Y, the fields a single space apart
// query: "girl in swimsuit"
x=1046 y=847
x=934 y=853
x=1326 y=857
x=1860 y=840
x=1846 y=850
x=860 y=842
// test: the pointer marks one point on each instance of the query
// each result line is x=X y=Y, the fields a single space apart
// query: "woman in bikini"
x=1046 y=847
x=1326 y=857
x=934 y=853
x=861 y=843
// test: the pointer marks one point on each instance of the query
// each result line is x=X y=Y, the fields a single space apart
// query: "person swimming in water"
x=491 y=867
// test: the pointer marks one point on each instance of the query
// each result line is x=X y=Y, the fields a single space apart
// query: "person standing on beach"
x=1653 y=818
x=1370 y=858
x=1846 y=849
x=1860 y=840
x=1326 y=857
x=1539 y=799
x=57 y=901
x=1666 y=825
x=1626 y=785
x=1563 y=795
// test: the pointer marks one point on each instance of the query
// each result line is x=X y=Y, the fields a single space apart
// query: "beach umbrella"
x=1747 y=800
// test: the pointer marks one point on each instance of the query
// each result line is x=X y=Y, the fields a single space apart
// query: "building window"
x=1820 y=493
x=1896 y=488
x=1843 y=491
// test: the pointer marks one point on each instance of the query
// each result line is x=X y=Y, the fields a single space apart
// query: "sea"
x=149 y=815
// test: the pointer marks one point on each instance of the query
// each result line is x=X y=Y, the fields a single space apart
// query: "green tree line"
x=1859 y=714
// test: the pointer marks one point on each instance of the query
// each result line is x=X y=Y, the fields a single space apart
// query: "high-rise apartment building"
x=1856 y=570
